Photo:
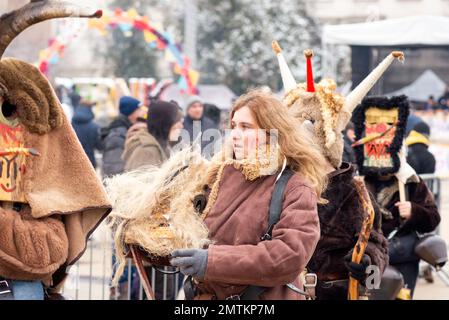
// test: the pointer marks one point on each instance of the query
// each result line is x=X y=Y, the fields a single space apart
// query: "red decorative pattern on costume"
x=376 y=151
x=9 y=190
x=10 y=134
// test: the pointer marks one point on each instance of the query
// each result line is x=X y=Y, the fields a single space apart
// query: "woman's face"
x=175 y=131
x=246 y=134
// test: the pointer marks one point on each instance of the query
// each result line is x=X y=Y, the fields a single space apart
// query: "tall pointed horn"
x=287 y=78
x=13 y=23
x=357 y=95
x=310 y=79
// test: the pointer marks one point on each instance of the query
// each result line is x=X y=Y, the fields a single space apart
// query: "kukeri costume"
x=50 y=197
x=380 y=125
x=326 y=113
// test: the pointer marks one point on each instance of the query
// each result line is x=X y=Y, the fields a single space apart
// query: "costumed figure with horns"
x=50 y=197
x=350 y=216
x=407 y=205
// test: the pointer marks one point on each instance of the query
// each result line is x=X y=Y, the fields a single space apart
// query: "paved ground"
x=432 y=291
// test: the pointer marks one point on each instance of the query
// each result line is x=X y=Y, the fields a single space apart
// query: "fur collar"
x=344 y=173
x=264 y=161
x=386 y=194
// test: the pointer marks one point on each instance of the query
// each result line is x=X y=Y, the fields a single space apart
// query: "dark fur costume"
x=358 y=119
x=341 y=222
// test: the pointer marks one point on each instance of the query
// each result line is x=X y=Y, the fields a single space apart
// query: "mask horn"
x=287 y=77
x=13 y=23
x=357 y=95
x=310 y=80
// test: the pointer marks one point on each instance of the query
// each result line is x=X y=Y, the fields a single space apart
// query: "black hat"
x=422 y=128
x=162 y=115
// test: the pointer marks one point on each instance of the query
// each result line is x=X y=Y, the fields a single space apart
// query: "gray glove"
x=192 y=262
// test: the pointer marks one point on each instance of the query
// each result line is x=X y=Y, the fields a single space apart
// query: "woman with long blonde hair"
x=270 y=166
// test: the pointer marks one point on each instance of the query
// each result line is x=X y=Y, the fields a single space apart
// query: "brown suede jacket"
x=237 y=221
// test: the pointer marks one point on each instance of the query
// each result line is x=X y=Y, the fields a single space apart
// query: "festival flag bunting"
x=127 y=21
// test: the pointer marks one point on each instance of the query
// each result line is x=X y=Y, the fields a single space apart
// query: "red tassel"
x=310 y=81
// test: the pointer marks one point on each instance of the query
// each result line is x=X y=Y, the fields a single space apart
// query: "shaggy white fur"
x=153 y=207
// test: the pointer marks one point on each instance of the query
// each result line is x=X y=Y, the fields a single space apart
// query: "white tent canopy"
x=427 y=84
x=415 y=30
x=220 y=95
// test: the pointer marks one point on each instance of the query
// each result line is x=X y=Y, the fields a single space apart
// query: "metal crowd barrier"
x=90 y=278
x=434 y=183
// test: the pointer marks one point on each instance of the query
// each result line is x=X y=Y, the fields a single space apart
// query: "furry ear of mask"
x=24 y=86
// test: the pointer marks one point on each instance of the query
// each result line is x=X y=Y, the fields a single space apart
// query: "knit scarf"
x=415 y=137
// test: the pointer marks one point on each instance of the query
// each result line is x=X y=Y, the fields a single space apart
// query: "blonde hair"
x=295 y=143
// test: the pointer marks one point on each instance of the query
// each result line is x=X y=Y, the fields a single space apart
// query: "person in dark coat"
x=341 y=221
x=114 y=136
x=442 y=101
x=402 y=218
x=418 y=214
x=411 y=122
x=196 y=123
x=422 y=161
x=74 y=97
x=212 y=112
x=418 y=155
x=87 y=130
x=348 y=137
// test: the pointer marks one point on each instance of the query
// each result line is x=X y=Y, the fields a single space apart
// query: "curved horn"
x=356 y=96
x=287 y=78
x=13 y=23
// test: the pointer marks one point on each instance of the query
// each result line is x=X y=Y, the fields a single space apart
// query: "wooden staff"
x=374 y=137
x=362 y=241
x=401 y=191
x=138 y=260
